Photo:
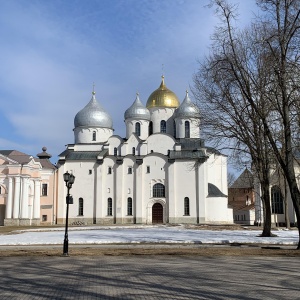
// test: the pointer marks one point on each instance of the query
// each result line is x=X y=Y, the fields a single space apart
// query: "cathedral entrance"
x=157 y=213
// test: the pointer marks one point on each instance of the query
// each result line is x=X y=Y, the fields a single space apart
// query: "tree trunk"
x=267 y=209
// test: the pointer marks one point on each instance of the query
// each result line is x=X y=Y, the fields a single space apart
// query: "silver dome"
x=137 y=110
x=93 y=115
x=187 y=109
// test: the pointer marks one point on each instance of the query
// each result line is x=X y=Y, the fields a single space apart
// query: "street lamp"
x=69 y=180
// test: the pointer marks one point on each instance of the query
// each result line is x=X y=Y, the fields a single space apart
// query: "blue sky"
x=52 y=51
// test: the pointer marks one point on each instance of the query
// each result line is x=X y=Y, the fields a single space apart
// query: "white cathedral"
x=162 y=172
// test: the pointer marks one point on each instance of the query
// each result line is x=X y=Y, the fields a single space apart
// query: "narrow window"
x=138 y=129
x=174 y=128
x=90 y=172
x=277 y=200
x=186 y=206
x=109 y=207
x=163 y=126
x=133 y=150
x=129 y=206
x=158 y=190
x=115 y=151
x=129 y=170
x=187 y=129
x=80 y=207
x=94 y=135
x=150 y=128
x=0 y=189
x=148 y=169
x=109 y=170
x=44 y=189
x=44 y=218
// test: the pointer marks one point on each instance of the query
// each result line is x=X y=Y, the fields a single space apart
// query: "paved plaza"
x=149 y=277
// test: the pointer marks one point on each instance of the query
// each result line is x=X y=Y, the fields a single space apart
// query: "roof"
x=18 y=156
x=214 y=191
x=23 y=158
x=82 y=155
x=244 y=181
x=187 y=154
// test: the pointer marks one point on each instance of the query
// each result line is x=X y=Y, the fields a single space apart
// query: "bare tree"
x=234 y=122
x=256 y=72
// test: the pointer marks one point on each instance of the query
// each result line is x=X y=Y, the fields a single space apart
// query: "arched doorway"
x=157 y=213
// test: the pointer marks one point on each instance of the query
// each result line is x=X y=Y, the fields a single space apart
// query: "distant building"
x=161 y=172
x=27 y=189
x=241 y=197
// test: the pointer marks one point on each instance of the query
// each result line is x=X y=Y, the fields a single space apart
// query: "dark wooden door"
x=157 y=213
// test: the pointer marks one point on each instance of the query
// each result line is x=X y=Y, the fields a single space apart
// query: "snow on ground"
x=145 y=234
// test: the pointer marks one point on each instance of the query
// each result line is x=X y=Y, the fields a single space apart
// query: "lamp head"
x=67 y=177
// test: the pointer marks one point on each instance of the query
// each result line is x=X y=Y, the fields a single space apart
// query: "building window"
x=186 y=206
x=138 y=129
x=129 y=170
x=44 y=189
x=0 y=190
x=187 y=129
x=80 y=207
x=133 y=150
x=90 y=172
x=150 y=128
x=115 y=151
x=277 y=200
x=109 y=207
x=163 y=126
x=129 y=206
x=94 y=135
x=158 y=190
x=109 y=170
x=148 y=169
x=174 y=128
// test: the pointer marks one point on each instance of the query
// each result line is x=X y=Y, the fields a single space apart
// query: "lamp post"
x=69 y=180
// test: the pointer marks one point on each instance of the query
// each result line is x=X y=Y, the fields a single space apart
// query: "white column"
x=16 y=209
x=24 y=203
x=8 y=214
x=37 y=199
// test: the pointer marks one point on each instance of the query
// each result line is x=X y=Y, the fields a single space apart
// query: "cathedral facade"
x=161 y=172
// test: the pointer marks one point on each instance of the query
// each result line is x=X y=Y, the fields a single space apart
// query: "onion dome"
x=187 y=109
x=163 y=97
x=137 y=110
x=93 y=115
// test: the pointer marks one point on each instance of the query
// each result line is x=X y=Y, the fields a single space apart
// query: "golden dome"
x=162 y=97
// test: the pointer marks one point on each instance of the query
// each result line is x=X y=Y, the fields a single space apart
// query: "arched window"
x=129 y=206
x=94 y=135
x=186 y=206
x=109 y=207
x=163 y=126
x=187 y=129
x=150 y=128
x=133 y=150
x=277 y=200
x=138 y=128
x=80 y=207
x=158 y=190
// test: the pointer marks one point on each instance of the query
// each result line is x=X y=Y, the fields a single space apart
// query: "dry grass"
x=199 y=251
